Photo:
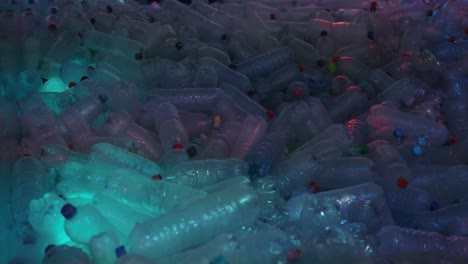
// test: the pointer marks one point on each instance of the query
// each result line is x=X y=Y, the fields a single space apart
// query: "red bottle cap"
x=453 y=139
x=178 y=146
x=156 y=177
x=272 y=16
x=301 y=67
x=293 y=254
x=373 y=4
x=314 y=186
x=336 y=58
x=402 y=182
x=406 y=55
x=71 y=84
x=52 y=27
x=297 y=92
x=270 y=114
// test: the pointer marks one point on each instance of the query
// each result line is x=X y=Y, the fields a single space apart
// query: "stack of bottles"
x=269 y=131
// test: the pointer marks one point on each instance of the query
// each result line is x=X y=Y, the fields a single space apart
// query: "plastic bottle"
x=100 y=41
x=264 y=64
x=215 y=148
x=40 y=122
x=278 y=80
x=147 y=239
x=90 y=107
x=30 y=181
x=120 y=124
x=253 y=129
x=353 y=69
x=357 y=129
x=84 y=222
x=119 y=215
x=348 y=105
x=56 y=155
x=107 y=153
x=76 y=126
x=413 y=244
x=384 y=116
x=197 y=100
x=65 y=254
x=45 y=218
x=134 y=259
x=202 y=173
x=154 y=197
x=227 y=75
x=103 y=247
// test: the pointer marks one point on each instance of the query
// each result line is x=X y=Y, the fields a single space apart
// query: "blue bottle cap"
x=370 y=35
x=416 y=150
x=398 y=132
x=68 y=211
x=434 y=205
x=48 y=248
x=120 y=251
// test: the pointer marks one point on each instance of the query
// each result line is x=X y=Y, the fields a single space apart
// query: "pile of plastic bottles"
x=234 y=131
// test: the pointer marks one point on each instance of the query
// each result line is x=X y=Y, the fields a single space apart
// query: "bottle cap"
x=156 y=177
x=48 y=248
x=120 y=251
x=402 y=182
x=177 y=146
x=314 y=186
x=293 y=254
x=179 y=45
x=192 y=152
x=270 y=114
x=416 y=150
x=139 y=56
x=301 y=67
x=52 y=27
x=68 y=211
x=320 y=63
x=398 y=132
x=272 y=16
x=453 y=139
x=433 y=206
x=233 y=67
x=297 y=92
x=363 y=84
x=102 y=98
